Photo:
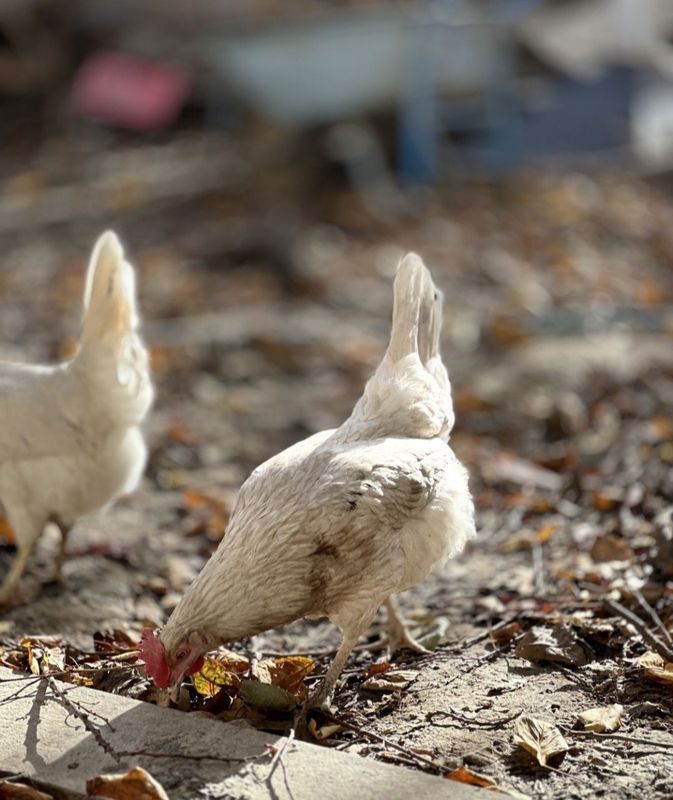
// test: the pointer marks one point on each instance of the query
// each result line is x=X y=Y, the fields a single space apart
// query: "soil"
x=559 y=292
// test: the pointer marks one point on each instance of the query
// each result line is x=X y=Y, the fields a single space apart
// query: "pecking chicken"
x=335 y=525
x=70 y=441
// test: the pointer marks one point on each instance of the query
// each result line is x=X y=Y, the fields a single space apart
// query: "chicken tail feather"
x=109 y=295
x=412 y=305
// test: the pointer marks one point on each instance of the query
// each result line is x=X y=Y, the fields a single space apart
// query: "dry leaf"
x=19 y=791
x=602 y=719
x=289 y=672
x=432 y=636
x=501 y=636
x=545 y=533
x=541 y=739
x=390 y=681
x=610 y=548
x=6 y=531
x=213 y=676
x=656 y=669
x=557 y=645
x=378 y=669
x=137 y=784
x=266 y=696
x=464 y=775
x=322 y=732
x=208 y=514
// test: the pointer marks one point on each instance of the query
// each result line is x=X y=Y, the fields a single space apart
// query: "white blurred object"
x=652 y=124
x=70 y=441
x=582 y=39
x=310 y=72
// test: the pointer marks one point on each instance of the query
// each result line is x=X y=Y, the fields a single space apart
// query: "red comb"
x=153 y=654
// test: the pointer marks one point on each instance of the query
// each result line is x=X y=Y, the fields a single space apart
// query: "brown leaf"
x=377 y=669
x=607 y=499
x=464 y=775
x=611 y=548
x=656 y=669
x=602 y=719
x=322 y=732
x=505 y=634
x=289 y=672
x=19 y=791
x=545 y=533
x=396 y=681
x=541 y=739
x=207 y=514
x=557 y=645
x=137 y=784
x=6 y=531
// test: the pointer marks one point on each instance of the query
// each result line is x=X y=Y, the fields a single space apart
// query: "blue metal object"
x=492 y=113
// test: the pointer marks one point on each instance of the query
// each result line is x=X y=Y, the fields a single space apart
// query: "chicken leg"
x=398 y=632
x=60 y=556
x=16 y=571
x=350 y=633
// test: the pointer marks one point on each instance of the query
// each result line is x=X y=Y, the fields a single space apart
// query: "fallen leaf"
x=6 y=531
x=557 y=645
x=541 y=739
x=608 y=499
x=602 y=719
x=322 y=732
x=389 y=681
x=137 y=784
x=377 y=669
x=213 y=676
x=266 y=696
x=288 y=672
x=501 y=636
x=206 y=514
x=19 y=791
x=465 y=775
x=611 y=548
x=656 y=669
x=434 y=634
x=545 y=533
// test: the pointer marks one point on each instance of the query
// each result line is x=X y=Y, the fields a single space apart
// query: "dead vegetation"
x=552 y=665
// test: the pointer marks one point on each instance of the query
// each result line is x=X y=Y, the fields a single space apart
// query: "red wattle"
x=196 y=666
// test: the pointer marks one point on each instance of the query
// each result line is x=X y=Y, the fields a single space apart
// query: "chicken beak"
x=174 y=691
x=174 y=686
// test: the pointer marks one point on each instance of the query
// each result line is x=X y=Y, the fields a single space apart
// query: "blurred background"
x=267 y=163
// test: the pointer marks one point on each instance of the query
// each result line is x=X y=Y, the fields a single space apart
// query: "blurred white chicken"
x=70 y=440
x=338 y=523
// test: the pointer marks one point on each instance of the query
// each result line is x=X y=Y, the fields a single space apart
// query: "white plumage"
x=337 y=524
x=70 y=440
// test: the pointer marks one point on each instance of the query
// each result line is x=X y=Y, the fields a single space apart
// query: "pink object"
x=128 y=92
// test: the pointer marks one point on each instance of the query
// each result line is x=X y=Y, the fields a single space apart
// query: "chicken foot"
x=398 y=632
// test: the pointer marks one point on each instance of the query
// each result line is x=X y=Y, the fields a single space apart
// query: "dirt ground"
x=265 y=312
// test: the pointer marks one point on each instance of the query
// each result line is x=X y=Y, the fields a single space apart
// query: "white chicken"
x=335 y=525
x=70 y=440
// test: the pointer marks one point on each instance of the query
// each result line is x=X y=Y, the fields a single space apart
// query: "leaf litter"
x=563 y=420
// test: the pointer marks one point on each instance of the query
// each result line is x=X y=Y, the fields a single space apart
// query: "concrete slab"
x=61 y=735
